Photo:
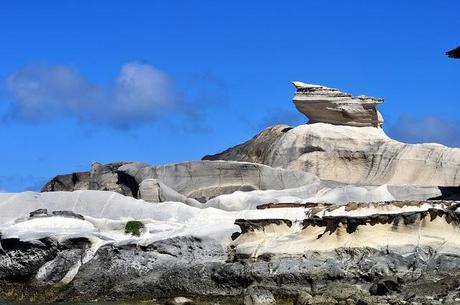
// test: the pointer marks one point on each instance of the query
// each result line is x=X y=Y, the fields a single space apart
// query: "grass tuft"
x=134 y=227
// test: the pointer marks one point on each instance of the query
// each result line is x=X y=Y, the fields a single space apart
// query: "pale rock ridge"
x=203 y=180
x=153 y=190
x=354 y=155
x=329 y=105
x=187 y=182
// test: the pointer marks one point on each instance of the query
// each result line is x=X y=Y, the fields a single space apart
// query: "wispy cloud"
x=139 y=94
x=428 y=129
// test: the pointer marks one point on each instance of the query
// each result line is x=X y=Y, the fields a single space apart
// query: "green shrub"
x=134 y=227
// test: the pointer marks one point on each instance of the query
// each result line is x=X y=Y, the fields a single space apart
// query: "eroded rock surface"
x=196 y=180
x=70 y=182
x=356 y=155
x=205 y=269
x=331 y=212
x=328 y=105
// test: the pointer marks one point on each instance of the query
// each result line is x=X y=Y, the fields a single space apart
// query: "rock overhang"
x=322 y=104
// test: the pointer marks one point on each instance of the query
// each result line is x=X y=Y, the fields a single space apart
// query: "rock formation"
x=70 y=182
x=400 y=227
x=354 y=155
x=199 y=180
x=328 y=105
x=330 y=212
x=455 y=53
x=378 y=252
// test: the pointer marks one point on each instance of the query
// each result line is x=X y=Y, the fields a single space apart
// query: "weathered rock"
x=392 y=226
x=38 y=213
x=357 y=155
x=257 y=296
x=180 y=301
x=70 y=182
x=327 y=105
x=69 y=214
x=385 y=286
x=107 y=177
x=255 y=150
x=455 y=53
x=103 y=177
x=195 y=180
x=203 y=180
x=153 y=190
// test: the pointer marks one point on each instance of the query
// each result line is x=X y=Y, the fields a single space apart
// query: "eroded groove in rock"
x=434 y=226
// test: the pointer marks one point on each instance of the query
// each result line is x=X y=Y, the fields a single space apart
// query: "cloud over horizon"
x=427 y=129
x=139 y=94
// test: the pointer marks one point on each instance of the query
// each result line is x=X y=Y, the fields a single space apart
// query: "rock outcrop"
x=330 y=212
x=455 y=53
x=69 y=182
x=198 y=180
x=354 y=155
x=400 y=227
x=328 y=105
x=103 y=177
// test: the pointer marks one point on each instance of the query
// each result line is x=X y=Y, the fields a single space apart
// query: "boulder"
x=106 y=177
x=328 y=105
x=153 y=190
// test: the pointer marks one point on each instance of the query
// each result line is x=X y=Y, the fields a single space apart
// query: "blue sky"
x=168 y=81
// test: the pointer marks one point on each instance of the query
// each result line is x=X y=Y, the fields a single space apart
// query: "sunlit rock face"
x=400 y=227
x=343 y=142
x=355 y=155
x=329 y=105
x=197 y=180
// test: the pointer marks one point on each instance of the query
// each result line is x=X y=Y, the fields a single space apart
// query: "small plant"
x=134 y=227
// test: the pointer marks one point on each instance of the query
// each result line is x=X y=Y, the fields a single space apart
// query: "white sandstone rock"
x=328 y=105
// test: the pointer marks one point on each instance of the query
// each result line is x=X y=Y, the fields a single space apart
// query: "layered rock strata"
x=329 y=105
x=404 y=228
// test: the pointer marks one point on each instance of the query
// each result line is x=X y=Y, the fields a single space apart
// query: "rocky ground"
x=203 y=273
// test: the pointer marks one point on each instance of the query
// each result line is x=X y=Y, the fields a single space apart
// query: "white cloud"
x=426 y=130
x=139 y=94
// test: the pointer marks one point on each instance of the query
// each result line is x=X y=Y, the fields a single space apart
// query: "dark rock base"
x=206 y=274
